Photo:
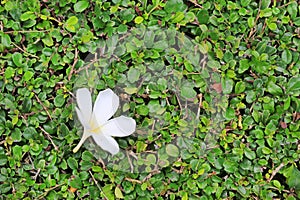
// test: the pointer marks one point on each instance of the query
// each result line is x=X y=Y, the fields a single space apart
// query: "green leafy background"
x=254 y=45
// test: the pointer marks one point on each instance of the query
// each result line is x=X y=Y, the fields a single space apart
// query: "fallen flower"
x=96 y=121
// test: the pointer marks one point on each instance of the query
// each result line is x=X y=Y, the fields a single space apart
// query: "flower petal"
x=120 y=126
x=106 y=105
x=107 y=143
x=84 y=102
x=82 y=120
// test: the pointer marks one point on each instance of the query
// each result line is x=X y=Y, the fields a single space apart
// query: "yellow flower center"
x=94 y=127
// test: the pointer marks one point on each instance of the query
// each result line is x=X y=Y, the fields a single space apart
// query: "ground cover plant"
x=225 y=129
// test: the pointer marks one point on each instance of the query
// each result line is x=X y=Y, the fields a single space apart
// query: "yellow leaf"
x=118 y=193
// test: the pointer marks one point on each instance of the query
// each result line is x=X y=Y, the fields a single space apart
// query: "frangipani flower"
x=96 y=121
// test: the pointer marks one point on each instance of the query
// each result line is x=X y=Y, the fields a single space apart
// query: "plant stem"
x=83 y=138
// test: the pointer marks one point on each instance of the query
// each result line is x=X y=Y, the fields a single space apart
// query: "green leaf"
x=17 y=59
x=245 y=3
x=230 y=166
x=27 y=15
x=258 y=133
x=9 y=5
x=16 y=135
x=293 y=85
x=274 y=89
x=72 y=20
x=230 y=113
x=265 y=4
x=140 y=146
x=276 y=183
x=172 y=150
x=81 y=6
x=118 y=193
x=173 y=6
x=249 y=154
x=76 y=182
x=72 y=162
x=266 y=12
x=151 y=159
x=287 y=56
x=155 y=107
x=48 y=41
x=239 y=87
x=178 y=17
x=85 y=165
x=131 y=90
x=266 y=150
x=28 y=75
x=26 y=105
x=122 y=28
x=183 y=123
x=5 y=40
x=29 y=132
x=203 y=16
x=2 y=178
x=242 y=190
x=292 y=9
x=108 y=191
x=3 y=160
x=133 y=75
x=17 y=152
x=70 y=24
x=227 y=85
x=272 y=26
x=188 y=92
x=293 y=177
x=59 y=100
x=87 y=156
x=142 y=110
x=287 y=103
x=251 y=96
x=9 y=72
x=234 y=16
x=297 y=21
x=138 y=20
x=251 y=22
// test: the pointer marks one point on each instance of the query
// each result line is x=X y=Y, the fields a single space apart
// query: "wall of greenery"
x=253 y=45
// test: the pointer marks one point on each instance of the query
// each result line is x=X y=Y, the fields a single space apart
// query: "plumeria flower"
x=96 y=121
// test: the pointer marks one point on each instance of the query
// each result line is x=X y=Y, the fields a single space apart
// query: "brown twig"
x=178 y=102
x=25 y=31
x=102 y=163
x=49 y=137
x=133 y=180
x=88 y=66
x=74 y=63
x=24 y=51
x=37 y=98
x=1 y=26
x=36 y=174
x=130 y=163
x=275 y=171
x=48 y=190
x=284 y=5
x=96 y=182
x=153 y=172
x=195 y=3
x=199 y=106
x=253 y=30
x=2 y=142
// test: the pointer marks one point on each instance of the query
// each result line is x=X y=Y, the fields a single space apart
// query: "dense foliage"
x=252 y=45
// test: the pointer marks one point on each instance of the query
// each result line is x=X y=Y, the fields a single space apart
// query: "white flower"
x=96 y=121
